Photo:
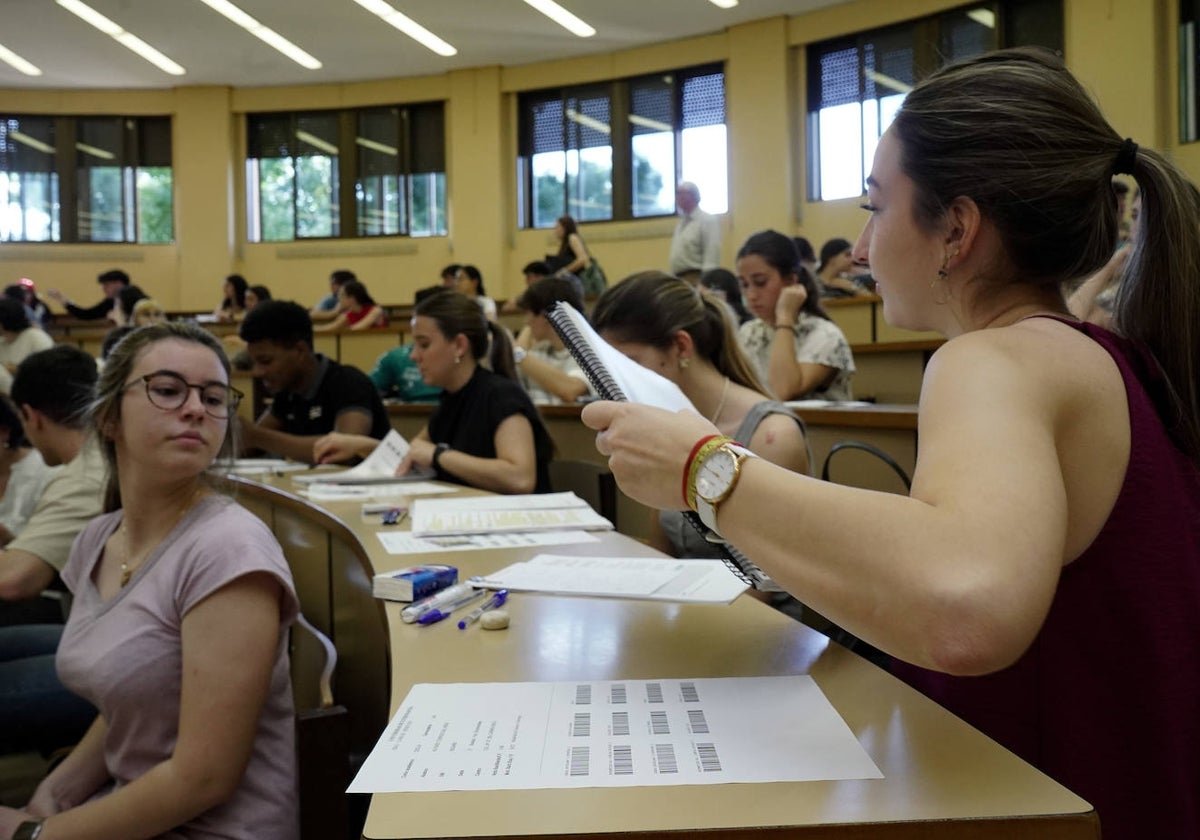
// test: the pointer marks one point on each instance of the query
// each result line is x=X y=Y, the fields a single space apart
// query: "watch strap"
x=439 y=450
x=28 y=830
x=708 y=510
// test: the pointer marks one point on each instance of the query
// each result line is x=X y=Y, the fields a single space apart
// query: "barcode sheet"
x=609 y=734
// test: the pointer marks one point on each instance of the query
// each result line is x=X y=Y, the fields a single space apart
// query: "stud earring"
x=457 y=359
x=684 y=362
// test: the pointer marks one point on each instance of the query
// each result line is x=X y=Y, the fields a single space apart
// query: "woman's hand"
x=43 y=803
x=790 y=302
x=420 y=453
x=336 y=447
x=647 y=448
x=10 y=818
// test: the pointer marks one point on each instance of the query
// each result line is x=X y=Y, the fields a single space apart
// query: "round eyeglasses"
x=169 y=391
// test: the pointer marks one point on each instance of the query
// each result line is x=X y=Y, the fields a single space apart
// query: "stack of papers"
x=378 y=468
x=487 y=514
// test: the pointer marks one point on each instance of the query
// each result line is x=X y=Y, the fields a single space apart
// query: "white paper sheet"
x=644 y=578
x=403 y=542
x=268 y=466
x=379 y=466
x=491 y=514
x=356 y=492
x=626 y=733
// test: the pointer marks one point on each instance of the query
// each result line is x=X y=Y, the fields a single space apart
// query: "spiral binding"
x=561 y=317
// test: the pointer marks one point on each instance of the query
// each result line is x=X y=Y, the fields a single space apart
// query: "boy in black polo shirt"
x=313 y=395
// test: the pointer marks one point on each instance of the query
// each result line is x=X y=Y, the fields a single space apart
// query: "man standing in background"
x=696 y=245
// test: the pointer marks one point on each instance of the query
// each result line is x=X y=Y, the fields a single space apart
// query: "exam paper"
x=490 y=514
x=379 y=466
x=360 y=492
x=621 y=733
x=646 y=578
x=403 y=542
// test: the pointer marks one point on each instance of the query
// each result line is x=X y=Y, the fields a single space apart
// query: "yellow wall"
x=1124 y=50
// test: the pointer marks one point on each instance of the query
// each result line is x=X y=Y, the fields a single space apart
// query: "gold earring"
x=457 y=359
x=684 y=362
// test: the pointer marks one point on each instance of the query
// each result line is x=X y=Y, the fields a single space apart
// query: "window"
x=351 y=173
x=115 y=180
x=1189 y=61
x=856 y=84
x=617 y=150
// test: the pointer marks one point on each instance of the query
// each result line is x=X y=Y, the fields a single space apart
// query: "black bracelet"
x=438 y=451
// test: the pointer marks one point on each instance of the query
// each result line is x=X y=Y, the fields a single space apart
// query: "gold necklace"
x=721 y=404
x=128 y=564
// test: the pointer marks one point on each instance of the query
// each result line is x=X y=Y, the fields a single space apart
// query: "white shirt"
x=696 y=245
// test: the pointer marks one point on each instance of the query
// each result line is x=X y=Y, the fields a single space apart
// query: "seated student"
x=449 y=275
x=52 y=391
x=127 y=298
x=724 y=284
x=23 y=474
x=547 y=370
x=19 y=338
x=833 y=274
x=255 y=295
x=313 y=395
x=469 y=281
x=148 y=311
x=357 y=310
x=179 y=629
x=233 y=304
x=110 y=281
x=485 y=432
x=25 y=291
x=326 y=309
x=686 y=335
x=397 y=376
x=796 y=348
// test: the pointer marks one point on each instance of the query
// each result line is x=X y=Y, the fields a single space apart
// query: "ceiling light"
x=94 y=151
x=31 y=142
x=646 y=122
x=588 y=122
x=16 y=62
x=126 y=39
x=724 y=4
x=317 y=143
x=887 y=81
x=408 y=26
x=263 y=33
x=376 y=146
x=985 y=17
x=562 y=17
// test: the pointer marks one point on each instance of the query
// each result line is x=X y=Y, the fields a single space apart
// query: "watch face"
x=716 y=475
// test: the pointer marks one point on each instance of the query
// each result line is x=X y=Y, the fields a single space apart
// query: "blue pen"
x=443 y=610
x=490 y=604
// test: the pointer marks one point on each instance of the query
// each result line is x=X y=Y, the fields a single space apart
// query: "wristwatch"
x=28 y=830
x=438 y=451
x=519 y=354
x=716 y=478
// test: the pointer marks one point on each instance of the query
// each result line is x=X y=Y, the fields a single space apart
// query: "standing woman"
x=573 y=257
x=178 y=632
x=1042 y=580
x=233 y=305
x=795 y=346
x=357 y=310
x=485 y=432
x=686 y=335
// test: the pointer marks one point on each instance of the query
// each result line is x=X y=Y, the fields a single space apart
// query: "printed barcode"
x=658 y=724
x=579 y=761
x=696 y=722
x=664 y=758
x=709 y=762
x=622 y=760
x=582 y=727
x=617 y=694
x=654 y=693
x=583 y=695
x=689 y=692
x=620 y=723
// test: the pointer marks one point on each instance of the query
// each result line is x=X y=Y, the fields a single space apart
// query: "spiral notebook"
x=617 y=377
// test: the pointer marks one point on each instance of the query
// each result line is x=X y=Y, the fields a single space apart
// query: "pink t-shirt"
x=125 y=656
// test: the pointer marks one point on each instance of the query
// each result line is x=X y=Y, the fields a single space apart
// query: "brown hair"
x=455 y=313
x=1016 y=133
x=650 y=307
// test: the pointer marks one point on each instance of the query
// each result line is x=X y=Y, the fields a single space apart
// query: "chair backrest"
x=322 y=737
x=872 y=450
x=589 y=481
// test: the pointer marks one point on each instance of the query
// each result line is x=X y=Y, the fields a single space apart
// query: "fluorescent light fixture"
x=263 y=33
x=316 y=142
x=126 y=39
x=562 y=17
x=31 y=142
x=986 y=17
x=375 y=145
x=724 y=4
x=588 y=122
x=887 y=81
x=646 y=122
x=94 y=151
x=17 y=63
x=408 y=26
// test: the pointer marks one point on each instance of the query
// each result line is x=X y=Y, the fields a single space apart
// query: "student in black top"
x=112 y=282
x=485 y=433
x=313 y=395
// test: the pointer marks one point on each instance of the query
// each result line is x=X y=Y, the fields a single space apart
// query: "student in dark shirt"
x=313 y=395
x=112 y=282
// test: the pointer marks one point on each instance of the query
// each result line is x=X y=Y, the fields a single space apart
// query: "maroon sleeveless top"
x=1107 y=699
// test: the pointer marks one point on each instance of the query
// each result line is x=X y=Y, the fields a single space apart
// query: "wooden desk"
x=942 y=778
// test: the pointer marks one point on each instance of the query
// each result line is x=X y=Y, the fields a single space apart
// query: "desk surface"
x=937 y=770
